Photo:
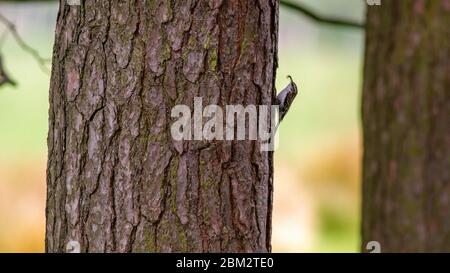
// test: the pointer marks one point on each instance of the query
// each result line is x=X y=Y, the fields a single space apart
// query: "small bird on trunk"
x=284 y=101
x=286 y=98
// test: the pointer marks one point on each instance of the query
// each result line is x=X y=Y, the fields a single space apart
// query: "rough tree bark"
x=117 y=182
x=406 y=110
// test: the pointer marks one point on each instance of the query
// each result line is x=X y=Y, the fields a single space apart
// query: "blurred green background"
x=317 y=166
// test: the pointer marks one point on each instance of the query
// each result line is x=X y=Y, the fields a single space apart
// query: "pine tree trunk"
x=117 y=182
x=406 y=110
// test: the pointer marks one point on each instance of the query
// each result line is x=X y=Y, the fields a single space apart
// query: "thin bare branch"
x=21 y=42
x=320 y=19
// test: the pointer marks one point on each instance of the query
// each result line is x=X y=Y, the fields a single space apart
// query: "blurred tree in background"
x=406 y=112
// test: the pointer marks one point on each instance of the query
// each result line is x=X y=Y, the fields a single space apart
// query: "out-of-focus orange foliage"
x=22 y=205
x=316 y=195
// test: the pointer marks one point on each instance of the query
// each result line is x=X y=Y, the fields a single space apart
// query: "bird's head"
x=294 y=86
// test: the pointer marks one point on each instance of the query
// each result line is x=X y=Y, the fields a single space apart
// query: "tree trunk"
x=117 y=181
x=406 y=110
